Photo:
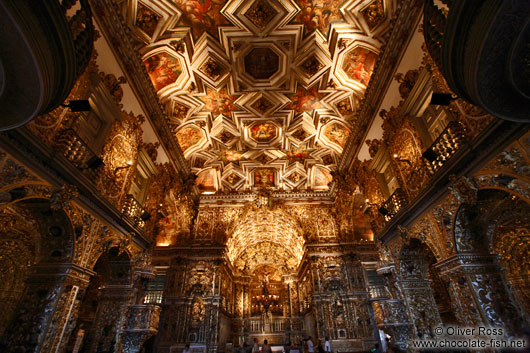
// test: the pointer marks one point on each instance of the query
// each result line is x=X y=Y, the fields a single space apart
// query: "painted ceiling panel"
x=261 y=94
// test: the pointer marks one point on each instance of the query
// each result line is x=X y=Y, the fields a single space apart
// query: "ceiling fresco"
x=260 y=93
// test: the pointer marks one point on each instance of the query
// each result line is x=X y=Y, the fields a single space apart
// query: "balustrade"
x=77 y=151
x=445 y=146
x=153 y=297
x=393 y=204
x=377 y=292
x=134 y=210
x=258 y=325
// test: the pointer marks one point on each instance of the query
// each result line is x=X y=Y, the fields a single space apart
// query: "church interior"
x=213 y=173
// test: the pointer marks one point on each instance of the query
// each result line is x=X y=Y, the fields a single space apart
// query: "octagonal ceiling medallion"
x=263 y=132
x=261 y=63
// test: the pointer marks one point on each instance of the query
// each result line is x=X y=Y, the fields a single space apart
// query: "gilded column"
x=389 y=309
x=480 y=277
x=48 y=310
x=110 y=314
x=417 y=292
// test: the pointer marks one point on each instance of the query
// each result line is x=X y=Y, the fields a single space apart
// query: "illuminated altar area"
x=271 y=285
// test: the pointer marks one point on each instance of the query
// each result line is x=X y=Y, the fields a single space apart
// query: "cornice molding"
x=116 y=31
x=300 y=197
x=403 y=29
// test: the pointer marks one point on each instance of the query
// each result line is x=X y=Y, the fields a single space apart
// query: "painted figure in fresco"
x=188 y=137
x=203 y=15
x=263 y=132
x=295 y=155
x=337 y=133
x=219 y=102
x=305 y=100
x=359 y=65
x=231 y=156
x=163 y=70
x=263 y=177
x=318 y=14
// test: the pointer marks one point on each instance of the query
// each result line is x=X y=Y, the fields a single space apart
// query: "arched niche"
x=439 y=286
x=37 y=251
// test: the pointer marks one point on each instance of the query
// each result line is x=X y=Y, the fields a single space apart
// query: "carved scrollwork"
x=62 y=197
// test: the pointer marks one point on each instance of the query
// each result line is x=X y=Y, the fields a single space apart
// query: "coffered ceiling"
x=260 y=93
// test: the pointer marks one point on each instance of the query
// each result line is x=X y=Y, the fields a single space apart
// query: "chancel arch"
x=266 y=236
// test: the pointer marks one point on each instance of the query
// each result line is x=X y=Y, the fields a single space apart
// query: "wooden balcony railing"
x=393 y=204
x=445 y=146
x=378 y=292
x=153 y=297
x=134 y=210
x=77 y=151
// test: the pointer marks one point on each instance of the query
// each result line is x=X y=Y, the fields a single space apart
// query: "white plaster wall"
x=108 y=64
x=411 y=60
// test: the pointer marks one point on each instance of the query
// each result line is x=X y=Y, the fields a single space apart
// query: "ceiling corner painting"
x=163 y=70
x=188 y=137
x=207 y=181
x=359 y=64
x=321 y=178
x=261 y=93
